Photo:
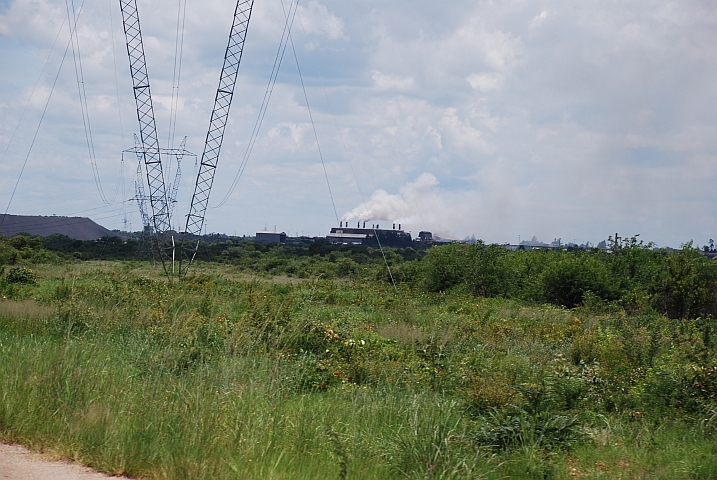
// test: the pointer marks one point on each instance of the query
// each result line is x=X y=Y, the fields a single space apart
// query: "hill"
x=77 y=228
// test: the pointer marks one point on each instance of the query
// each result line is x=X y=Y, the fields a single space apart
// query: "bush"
x=477 y=268
x=567 y=281
x=21 y=275
x=508 y=431
x=686 y=285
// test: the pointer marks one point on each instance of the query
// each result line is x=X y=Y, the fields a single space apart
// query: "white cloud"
x=392 y=82
x=485 y=82
x=318 y=20
x=462 y=133
x=287 y=136
x=34 y=20
x=538 y=19
x=435 y=135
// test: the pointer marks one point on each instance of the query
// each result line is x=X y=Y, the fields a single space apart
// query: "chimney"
x=364 y=224
x=399 y=226
x=394 y=226
x=341 y=224
x=358 y=224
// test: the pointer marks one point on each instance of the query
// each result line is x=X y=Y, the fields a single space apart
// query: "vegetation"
x=483 y=364
x=630 y=276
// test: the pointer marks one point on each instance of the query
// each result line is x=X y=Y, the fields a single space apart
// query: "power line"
x=32 y=93
x=39 y=124
x=283 y=43
x=114 y=65
x=79 y=74
x=176 y=77
x=313 y=126
x=177 y=72
x=119 y=109
x=348 y=157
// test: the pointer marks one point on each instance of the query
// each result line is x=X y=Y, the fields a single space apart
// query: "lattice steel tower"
x=215 y=135
x=150 y=154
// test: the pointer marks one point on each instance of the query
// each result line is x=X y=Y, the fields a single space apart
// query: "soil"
x=19 y=463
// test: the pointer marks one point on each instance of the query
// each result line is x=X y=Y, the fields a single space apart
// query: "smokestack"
x=341 y=224
x=358 y=224
x=399 y=226
x=394 y=226
x=364 y=224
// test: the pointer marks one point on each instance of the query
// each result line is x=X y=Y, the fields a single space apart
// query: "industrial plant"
x=365 y=233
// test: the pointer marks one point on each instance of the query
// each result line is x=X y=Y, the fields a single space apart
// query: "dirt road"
x=19 y=463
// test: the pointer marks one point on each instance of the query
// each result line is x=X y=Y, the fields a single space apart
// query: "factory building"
x=265 y=236
x=425 y=237
x=361 y=235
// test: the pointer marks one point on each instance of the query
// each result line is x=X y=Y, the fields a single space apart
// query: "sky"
x=504 y=120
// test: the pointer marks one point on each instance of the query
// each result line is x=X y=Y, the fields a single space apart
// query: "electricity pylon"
x=150 y=154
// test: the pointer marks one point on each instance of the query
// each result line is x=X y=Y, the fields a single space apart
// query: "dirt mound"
x=77 y=228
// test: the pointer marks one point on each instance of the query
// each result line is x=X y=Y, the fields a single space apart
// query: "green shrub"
x=477 y=268
x=508 y=431
x=568 y=280
x=21 y=275
x=686 y=285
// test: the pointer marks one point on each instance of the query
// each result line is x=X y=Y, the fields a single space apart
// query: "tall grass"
x=222 y=376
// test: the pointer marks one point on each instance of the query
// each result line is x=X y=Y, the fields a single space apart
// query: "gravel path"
x=19 y=463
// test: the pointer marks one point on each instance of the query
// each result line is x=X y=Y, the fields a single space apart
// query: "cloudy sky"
x=495 y=119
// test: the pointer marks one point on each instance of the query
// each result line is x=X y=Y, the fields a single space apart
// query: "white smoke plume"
x=409 y=206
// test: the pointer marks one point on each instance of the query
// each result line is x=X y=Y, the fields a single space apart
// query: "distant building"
x=535 y=244
x=425 y=237
x=348 y=236
x=368 y=236
x=265 y=236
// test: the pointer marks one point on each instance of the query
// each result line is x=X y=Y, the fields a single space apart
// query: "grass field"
x=227 y=375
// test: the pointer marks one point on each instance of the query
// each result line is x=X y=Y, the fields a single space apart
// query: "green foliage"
x=21 y=275
x=509 y=431
x=686 y=285
x=632 y=276
x=224 y=376
x=24 y=249
x=567 y=281
x=476 y=267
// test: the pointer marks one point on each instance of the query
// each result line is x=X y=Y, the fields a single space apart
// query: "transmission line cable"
x=114 y=65
x=119 y=109
x=32 y=93
x=283 y=43
x=84 y=107
x=39 y=124
x=176 y=76
x=177 y=71
x=313 y=126
x=348 y=157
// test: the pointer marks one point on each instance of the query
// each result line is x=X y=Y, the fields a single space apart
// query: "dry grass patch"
x=25 y=309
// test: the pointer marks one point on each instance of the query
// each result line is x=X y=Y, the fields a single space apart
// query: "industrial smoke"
x=409 y=206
